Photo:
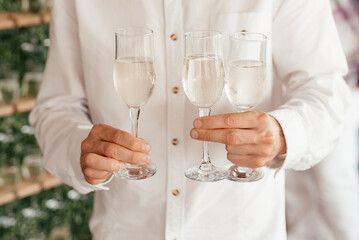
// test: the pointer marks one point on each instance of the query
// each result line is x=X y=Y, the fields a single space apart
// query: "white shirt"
x=327 y=195
x=307 y=95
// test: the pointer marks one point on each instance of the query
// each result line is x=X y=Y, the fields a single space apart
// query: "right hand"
x=107 y=149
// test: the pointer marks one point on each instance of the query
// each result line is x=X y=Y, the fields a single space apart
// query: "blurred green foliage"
x=15 y=141
x=73 y=210
x=10 y=5
x=22 y=50
x=61 y=206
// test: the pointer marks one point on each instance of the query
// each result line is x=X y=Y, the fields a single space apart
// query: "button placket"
x=175 y=142
x=175 y=192
x=175 y=126
x=174 y=36
x=175 y=90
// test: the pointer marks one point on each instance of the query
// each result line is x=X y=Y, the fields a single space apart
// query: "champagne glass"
x=203 y=81
x=246 y=84
x=134 y=78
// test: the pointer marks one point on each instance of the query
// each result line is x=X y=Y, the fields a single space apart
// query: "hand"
x=252 y=138
x=107 y=149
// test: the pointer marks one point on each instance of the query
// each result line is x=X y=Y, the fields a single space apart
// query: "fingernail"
x=197 y=123
x=146 y=147
x=194 y=134
x=146 y=158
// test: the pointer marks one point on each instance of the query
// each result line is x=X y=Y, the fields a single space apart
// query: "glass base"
x=241 y=174
x=133 y=172
x=206 y=173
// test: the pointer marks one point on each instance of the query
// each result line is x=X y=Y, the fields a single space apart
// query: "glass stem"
x=134 y=115
x=205 y=155
x=243 y=169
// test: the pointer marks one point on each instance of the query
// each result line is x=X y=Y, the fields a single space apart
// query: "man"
x=82 y=124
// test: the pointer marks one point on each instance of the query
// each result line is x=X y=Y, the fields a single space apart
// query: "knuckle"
x=108 y=150
x=85 y=144
x=232 y=138
x=266 y=137
x=208 y=122
x=88 y=160
x=263 y=118
x=117 y=136
x=97 y=128
x=230 y=121
x=269 y=137
x=228 y=147
x=88 y=173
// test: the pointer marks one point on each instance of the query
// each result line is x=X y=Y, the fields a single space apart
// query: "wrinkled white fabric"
x=327 y=196
x=306 y=94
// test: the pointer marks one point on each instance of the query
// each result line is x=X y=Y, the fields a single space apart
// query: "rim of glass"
x=239 y=36
x=134 y=31
x=210 y=34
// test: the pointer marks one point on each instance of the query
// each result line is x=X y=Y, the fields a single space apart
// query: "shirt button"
x=175 y=192
x=175 y=90
x=174 y=37
x=175 y=141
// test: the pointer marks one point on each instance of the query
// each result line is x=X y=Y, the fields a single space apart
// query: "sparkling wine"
x=246 y=83
x=134 y=80
x=203 y=79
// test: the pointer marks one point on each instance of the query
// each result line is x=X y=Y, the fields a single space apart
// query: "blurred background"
x=33 y=204
x=36 y=205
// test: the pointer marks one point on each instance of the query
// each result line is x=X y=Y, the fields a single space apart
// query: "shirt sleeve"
x=60 y=117
x=309 y=62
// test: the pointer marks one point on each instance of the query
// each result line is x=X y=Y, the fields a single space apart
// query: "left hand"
x=252 y=138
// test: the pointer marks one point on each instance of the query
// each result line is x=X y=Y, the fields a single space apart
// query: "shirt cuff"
x=295 y=137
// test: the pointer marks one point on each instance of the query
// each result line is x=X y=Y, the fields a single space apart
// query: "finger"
x=229 y=136
x=98 y=162
x=249 y=161
x=95 y=181
x=120 y=153
x=244 y=120
x=94 y=174
x=263 y=150
x=111 y=134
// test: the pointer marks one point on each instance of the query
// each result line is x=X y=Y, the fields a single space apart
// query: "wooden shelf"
x=26 y=188
x=10 y=20
x=21 y=105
